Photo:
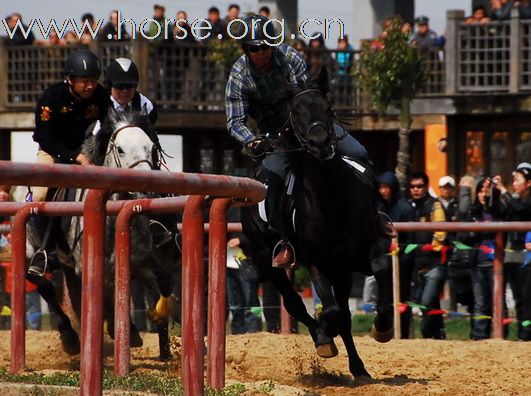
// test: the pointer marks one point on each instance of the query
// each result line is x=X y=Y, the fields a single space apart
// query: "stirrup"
x=280 y=244
x=38 y=263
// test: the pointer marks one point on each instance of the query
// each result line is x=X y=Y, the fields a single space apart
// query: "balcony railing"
x=491 y=58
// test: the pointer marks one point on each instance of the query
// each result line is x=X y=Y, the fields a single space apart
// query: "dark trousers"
x=514 y=276
x=430 y=286
x=526 y=310
x=482 y=283
x=242 y=294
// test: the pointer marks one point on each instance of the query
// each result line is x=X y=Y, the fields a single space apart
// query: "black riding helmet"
x=257 y=31
x=121 y=71
x=82 y=63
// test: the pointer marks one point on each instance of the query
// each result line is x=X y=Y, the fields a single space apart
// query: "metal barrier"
x=101 y=180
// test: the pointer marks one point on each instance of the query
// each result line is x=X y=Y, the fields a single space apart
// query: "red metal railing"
x=105 y=179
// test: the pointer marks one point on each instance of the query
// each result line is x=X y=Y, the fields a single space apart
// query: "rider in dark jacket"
x=258 y=86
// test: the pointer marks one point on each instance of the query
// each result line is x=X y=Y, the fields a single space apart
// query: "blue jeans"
x=430 y=286
x=482 y=282
x=33 y=310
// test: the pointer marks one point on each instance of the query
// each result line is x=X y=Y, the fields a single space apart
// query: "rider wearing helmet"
x=62 y=115
x=258 y=86
x=65 y=110
x=122 y=80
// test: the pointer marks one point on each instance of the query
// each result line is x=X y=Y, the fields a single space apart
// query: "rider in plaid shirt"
x=259 y=86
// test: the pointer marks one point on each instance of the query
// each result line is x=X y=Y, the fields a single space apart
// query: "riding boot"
x=277 y=220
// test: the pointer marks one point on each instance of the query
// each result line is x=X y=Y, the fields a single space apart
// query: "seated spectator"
x=501 y=9
x=13 y=22
x=216 y=25
x=182 y=31
x=233 y=12
x=424 y=37
x=479 y=15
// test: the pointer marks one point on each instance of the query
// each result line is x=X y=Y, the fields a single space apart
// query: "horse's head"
x=123 y=141
x=312 y=118
x=129 y=145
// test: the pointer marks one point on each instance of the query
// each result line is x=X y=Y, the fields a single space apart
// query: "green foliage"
x=389 y=68
x=224 y=52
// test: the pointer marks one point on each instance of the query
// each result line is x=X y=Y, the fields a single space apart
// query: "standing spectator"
x=319 y=56
x=485 y=207
x=242 y=283
x=430 y=270
x=517 y=207
x=424 y=38
x=216 y=25
x=344 y=56
x=393 y=204
x=447 y=197
x=524 y=9
x=18 y=37
x=156 y=30
x=183 y=32
x=233 y=12
x=33 y=298
x=265 y=12
x=110 y=30
x=86 y=37
x=501 y=9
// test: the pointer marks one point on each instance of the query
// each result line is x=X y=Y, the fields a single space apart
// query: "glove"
x=256 y=148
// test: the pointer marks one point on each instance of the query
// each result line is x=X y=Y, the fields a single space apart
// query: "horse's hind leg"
x=382 y=330
x=68 y=335
x=355 y=364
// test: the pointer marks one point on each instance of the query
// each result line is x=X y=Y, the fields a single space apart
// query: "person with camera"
x=517 y=207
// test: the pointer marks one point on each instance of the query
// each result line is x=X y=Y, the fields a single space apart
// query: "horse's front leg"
x=69 y=337
x=342 y=289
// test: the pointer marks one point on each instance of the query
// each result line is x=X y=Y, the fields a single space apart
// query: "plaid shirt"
x=264 y=98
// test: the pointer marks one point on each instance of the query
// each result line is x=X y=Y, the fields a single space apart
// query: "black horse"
x=336 y=226
x=124 y=140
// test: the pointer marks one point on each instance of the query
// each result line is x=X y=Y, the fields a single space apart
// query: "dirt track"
x=399 y=368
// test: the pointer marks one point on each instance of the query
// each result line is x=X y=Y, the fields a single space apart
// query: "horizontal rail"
x=15 y=173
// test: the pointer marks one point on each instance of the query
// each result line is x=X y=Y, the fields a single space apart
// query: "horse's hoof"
x=328 y=350
x=71 y=344
x=165 y=357
x=382 y=336
x=363 y=379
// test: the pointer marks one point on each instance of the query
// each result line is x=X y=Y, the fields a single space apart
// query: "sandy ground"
x=406 y=367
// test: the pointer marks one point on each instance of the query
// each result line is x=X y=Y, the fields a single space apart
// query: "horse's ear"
x=112 y=115
x=144 y=111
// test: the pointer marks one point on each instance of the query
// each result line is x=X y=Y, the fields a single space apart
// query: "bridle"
x=331 y=137
x=113 y=149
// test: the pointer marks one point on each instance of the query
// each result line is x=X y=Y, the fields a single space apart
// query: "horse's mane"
x=95 y=146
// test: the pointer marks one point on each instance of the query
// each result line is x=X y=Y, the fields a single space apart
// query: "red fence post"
x=122 y=293
x=18 y=289
x=192 y=297
x=497 y=293
x=91 y=370
x=217 y=292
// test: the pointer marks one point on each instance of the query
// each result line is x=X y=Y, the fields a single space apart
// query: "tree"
x=390 y=72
